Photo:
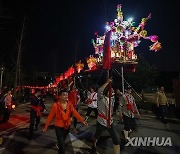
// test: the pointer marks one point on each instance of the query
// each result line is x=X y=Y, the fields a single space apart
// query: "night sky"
x=56 y=29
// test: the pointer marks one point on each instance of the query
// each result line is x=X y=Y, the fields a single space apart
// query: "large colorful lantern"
x=124 y=38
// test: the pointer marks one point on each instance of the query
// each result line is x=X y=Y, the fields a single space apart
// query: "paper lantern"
x=79 y=66
x=61 y=77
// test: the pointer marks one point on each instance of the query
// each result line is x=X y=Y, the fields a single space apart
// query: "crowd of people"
x=98 y=100
x=104 y=101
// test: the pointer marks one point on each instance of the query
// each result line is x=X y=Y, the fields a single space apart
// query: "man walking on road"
x=7 y=106
x=92 y=103
x=37 y=106
x=103 y=115
x=62 y=111
x=127 y=111
x=162 y=103
x=74 y=98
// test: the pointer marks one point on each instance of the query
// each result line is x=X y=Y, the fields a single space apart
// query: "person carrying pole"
x=104 y=120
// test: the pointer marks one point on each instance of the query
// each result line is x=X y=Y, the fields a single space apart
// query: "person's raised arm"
x=101 y=89
x=69 y=86
x=106 y=83
x=78 y=101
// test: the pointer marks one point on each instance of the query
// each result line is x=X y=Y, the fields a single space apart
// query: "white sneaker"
x=86 y=118
x=57 y=146
x=130 y=131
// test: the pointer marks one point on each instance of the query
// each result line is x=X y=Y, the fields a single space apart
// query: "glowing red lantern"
x=61 y=77
x=66 y=75
x=79 y=66
x=57 y=79
x=71 y=70
x=55 y=84
x=63 y=84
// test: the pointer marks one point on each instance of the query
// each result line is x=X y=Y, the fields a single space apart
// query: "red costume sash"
x=37 y=109
x=130 y=106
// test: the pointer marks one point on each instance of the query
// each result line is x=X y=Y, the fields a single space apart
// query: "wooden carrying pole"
x=110 y=95
x=122 y=76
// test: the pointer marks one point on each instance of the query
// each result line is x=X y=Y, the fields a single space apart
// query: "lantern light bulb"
x=130 y=20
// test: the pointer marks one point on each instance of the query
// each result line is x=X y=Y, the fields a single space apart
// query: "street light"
x=2 y=71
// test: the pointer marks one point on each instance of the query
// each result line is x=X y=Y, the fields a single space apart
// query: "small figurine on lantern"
x=79 y=66
x=92 y=62
x=98 y=45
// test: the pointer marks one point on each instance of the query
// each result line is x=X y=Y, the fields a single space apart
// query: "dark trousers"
x=90 y=109
x=6 y=114
x=163 y=111
x=115 y=106
x=61 y=135
x=129 y=123
x=112 y=131
x=34 y=120
x=156 y=110
x=171 y=109
x=75 y=120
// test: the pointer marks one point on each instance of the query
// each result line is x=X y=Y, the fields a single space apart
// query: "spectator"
x=74 y=98
x=104 y=120
x=161 y=101
x=7 y=106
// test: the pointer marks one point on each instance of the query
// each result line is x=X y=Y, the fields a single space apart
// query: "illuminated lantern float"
x=123 y=39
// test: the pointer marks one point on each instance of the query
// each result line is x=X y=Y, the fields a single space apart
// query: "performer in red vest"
x=74 y=98
x=91 y=101
x=37 y=106
x=104 y=122
x=127 y=111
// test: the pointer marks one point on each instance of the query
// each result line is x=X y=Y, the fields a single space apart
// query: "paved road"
x=15 y=134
